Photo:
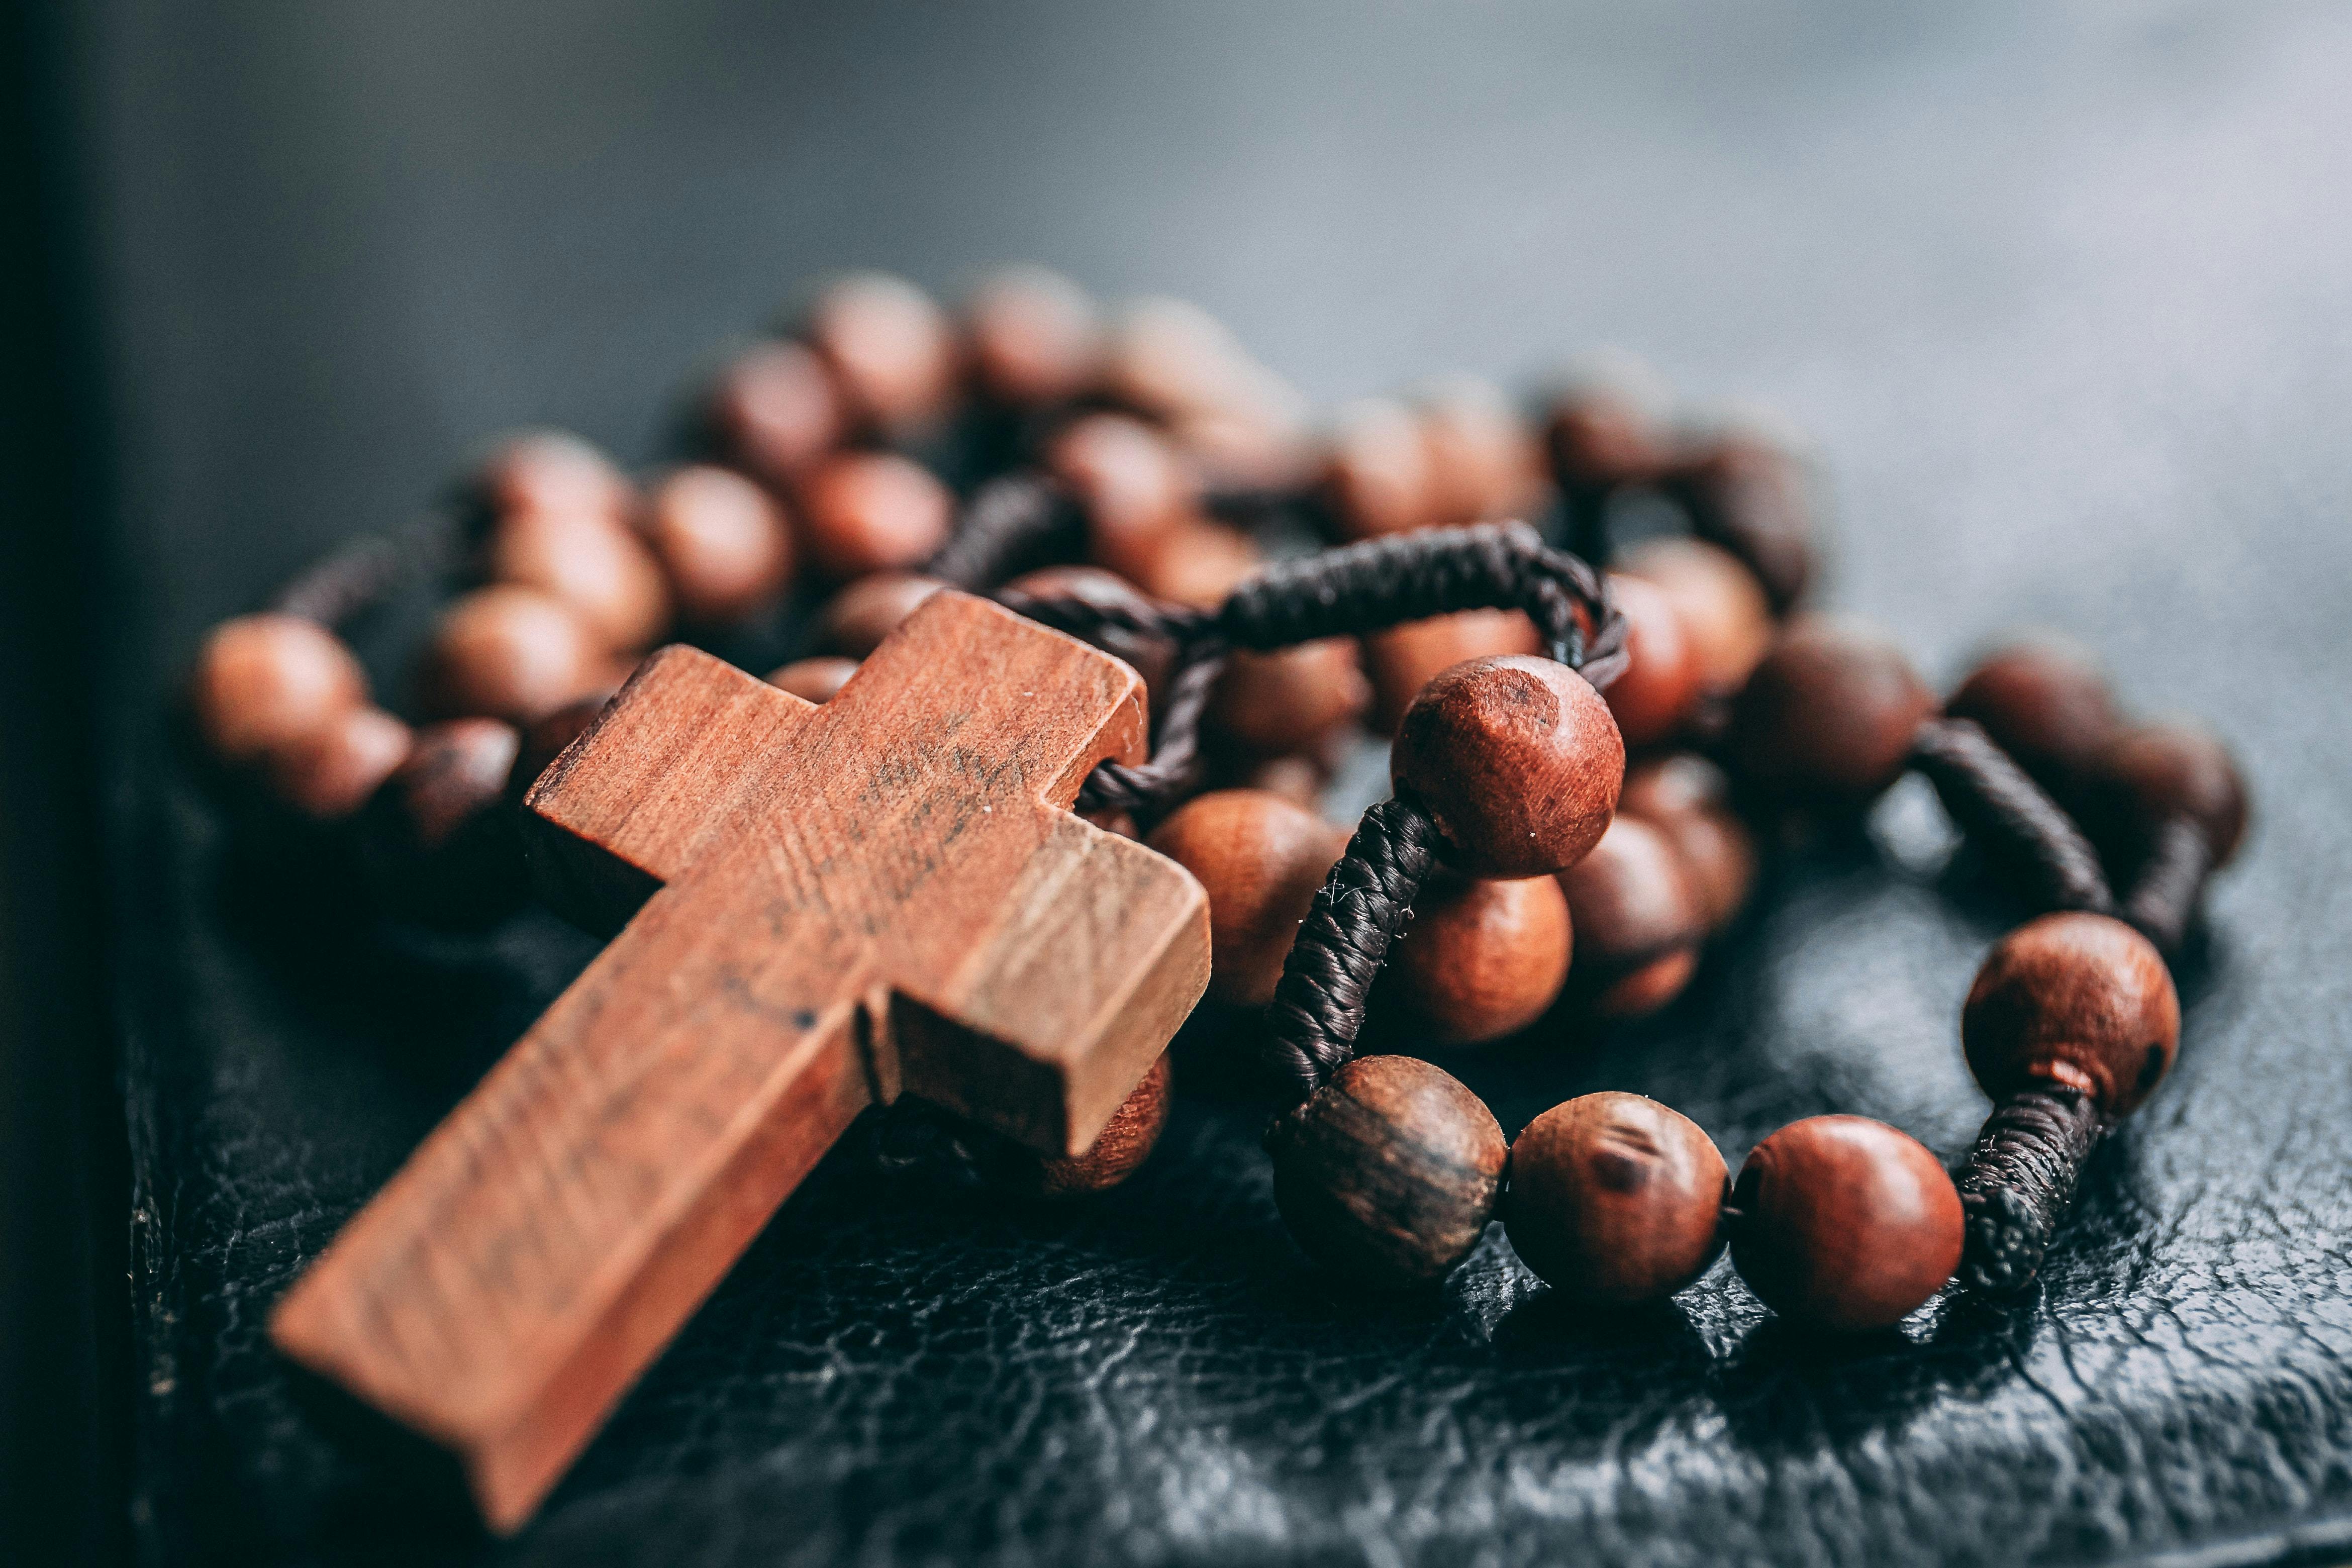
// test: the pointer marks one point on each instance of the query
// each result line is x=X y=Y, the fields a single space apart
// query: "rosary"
x=1047 y=776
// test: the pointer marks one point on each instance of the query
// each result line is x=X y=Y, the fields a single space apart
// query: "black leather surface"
x=2066 y=301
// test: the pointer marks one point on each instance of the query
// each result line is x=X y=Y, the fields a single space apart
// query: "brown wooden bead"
x=329 y=773
x=1130 y=484
x=1123 y=1144
x=1722 y=605
x=1404 y=658
x=891 y=348
x=1376 y=471
x=2045 y=703
x=1639 y=920
x=265 y=682
x=1600 y=438
x=1169 y=358
x=722 y=540
x=1388 y=1174
x=1615 y=1199
x=1298 y=780
x=544 y=739
x=591 y=560
x=857 y=619
x=1292 y=701
x=1260 y=859
x=2153 y=774
x=815 y=680
x=511 y=653
x=1661 y=683
x=1198 y=563
x=1687 y=798
x=1844 y=1223
x=2073 y=999
x=1830 y=714
x=873 y=511
x=555 y=472
x=1483 y=462
x=1483 y=959
x=1756 y=497
x=437 y=842
x=1035 y=338
x=774 y=410
x=1516 y=760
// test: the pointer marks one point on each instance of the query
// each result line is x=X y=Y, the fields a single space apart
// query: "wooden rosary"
x=909 y=860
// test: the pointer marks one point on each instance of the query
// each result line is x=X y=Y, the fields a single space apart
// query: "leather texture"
x=2063 y=298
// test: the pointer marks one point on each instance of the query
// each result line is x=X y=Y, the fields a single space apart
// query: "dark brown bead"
x=1483 y=462
x=1260 y=859
x=329 y=773
x=1404 y=658
x=1516 y=760
x=1292 y=701
x=1757 y=498
x=511 y=653
x=1639 y=922
x=1376 y=471
x=1660 y=685
x=594 y=562
x=1388 y=1174
x=1122 y=1145
x=2044 y=703
x=266 y=683
x=544 y=739
x=858 y=617
x=814 y=679
x=1600 y=438
x=1035 y=338
x=1483 y=959
x=1844 y=1223
x=873 y=511
x=1130 y=484
x=1615 y=1199
x=554 y=472
x=2078 y=1000
x=1830 y=714
x=722 y=542
x=1687 y=798
x=1198 y=563
x=2154 y=774
x=891 y=348
x=1722 y=605
x=437 y=842
x=774 y=411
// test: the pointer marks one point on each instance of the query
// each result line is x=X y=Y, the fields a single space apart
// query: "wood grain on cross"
x=816 y=907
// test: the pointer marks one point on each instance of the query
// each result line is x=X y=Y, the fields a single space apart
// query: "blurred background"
x=271 y=268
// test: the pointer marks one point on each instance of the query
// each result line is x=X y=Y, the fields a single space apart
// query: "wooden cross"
x=816 y=907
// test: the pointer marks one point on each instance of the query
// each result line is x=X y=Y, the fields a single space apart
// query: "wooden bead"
x=329 y=773
x=1376 y=471
x=1724 y=611
x=1292 y=701
x=813 y=679
x=873 y=511
x=1756 y=497
x=1123 y=1144
x=437 y=842
x=1844 y=1223
x=1483 y=959
x=265 y=682
x=2078 y=1000
x=1661 y=684
x=1600 y=438
x=1516 y=760
x=1403 y=659
x=774 y=411
x=2153 y=774
x=517 y=654
x=858 y=617
x=2045 y=703
x=1130 y=484
x=1298 y=780
x=1687 y=798
x=552 y=471
x=721 y=541
x=1388 y=1174
x=1483 y=462
x=1198 y=563
x=1036 y=337
x=1168 y=358
x=1639 y=922
x=891 y=348
x=1615 y=1199
x=1260 y=859
x=594 y=562
x=1830 y=714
